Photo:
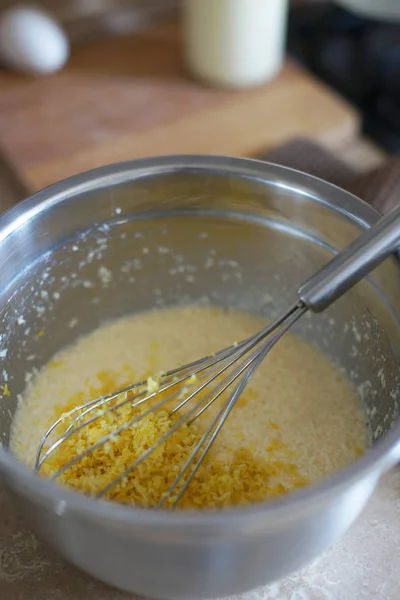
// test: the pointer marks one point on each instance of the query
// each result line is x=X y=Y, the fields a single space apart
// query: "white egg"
x=31 y=41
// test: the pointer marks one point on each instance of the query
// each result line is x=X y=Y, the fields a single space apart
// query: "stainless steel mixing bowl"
x=164 y=231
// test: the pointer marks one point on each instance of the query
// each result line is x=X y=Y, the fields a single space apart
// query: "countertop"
x=364 y=565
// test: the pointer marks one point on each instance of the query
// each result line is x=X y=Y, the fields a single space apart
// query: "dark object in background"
x=379 y=186
x=358 y=57
x=12 y=189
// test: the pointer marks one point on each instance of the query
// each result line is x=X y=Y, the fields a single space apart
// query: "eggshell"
x=31 y=41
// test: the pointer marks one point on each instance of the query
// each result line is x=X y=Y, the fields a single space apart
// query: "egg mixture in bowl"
x=298 y=420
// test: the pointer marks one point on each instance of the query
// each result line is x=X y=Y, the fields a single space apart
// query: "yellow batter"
x=298 y=421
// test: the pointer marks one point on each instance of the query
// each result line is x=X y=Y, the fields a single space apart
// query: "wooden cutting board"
x=129 y=97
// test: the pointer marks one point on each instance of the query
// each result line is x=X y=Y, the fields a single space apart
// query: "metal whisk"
x=227 y=372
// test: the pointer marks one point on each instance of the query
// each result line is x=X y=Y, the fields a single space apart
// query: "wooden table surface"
x=129 y=97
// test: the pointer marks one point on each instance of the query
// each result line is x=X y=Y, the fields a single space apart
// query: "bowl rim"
x=381 y=456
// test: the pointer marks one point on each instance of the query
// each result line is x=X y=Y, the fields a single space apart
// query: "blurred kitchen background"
x=84 y=19
x=131 y=87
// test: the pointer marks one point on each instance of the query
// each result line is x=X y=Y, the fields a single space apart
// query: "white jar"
x=234 y=43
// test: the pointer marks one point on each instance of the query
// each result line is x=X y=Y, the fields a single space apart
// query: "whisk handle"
x=353 y=263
